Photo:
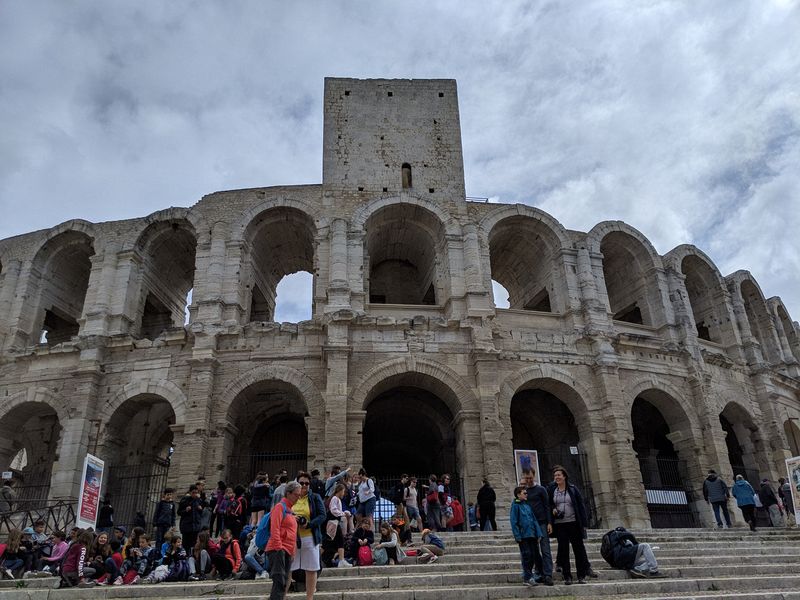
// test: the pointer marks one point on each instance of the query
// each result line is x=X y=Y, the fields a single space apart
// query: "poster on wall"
x=89 y=498
x=793 y=469
x=527 y=460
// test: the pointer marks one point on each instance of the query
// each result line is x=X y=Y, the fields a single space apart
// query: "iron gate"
x=32 y=486
x=243 y=468
x=385 y=508
x=136 y=488
x=576 y=465
x=669 y=501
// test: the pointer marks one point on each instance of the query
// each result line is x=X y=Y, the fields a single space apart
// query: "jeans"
x=253 y=563
x=279 y=564
x=543 y=561
x=571 y=534
x=434 y=515
x=487 y=514
x=205 y=564
x=645 y=559
x=528 y=550
x=722 y=504
x=13 y=564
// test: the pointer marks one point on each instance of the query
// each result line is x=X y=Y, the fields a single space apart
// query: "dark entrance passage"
x=279 y=442
x=541 y=421
x=669 y=499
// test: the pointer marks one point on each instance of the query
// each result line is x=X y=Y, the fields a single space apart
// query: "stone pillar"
x=96 y=305
x=358 y=274
x=492 y=452
x=126 y=296
x=338 y=284
x=355 y=437
x=337 y=360
x=752 y=349
x=191 y=456
x=72 y=449
x=8 y=287
x=471 y=461
x=207 y=295
x=773 y=431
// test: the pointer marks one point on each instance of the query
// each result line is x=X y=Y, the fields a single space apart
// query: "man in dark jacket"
x=540 y=505
x=486 y=499
x=627 y=553
x=190 y=509
x=164 y=516
x=715 y=492
x=770 y=502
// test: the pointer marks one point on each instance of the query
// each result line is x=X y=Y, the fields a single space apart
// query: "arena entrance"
x=30 y=435
x=664 y=473
x=137 y=447
x=409 y=429
x=269 y=417
x=541 y=421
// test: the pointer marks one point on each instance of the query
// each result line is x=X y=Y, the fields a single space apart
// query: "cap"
x=28 y=531
x=121 y=528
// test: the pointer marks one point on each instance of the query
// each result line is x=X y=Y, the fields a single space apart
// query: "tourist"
x=310 y=511
x=60 y=547
x=366 y=496
x=526 y=531
x=97 y=554
x=627 y=553
x=164 y=516
x=139 y=562
x=8 y=496
x=279 y=491
x=785 y=494
x=715 y=492
x=73 y=570
x=317 y=485
x=431 y=547
x=112 y=564
x=260 y=498
x=569 y=524
x=540 y=505
x=433 y=509
x=255 y=558
x=336 y=475
x=190 y=509
x=399 y=494
x=743 y=492
x=445 y=499
x=341 y=519
x=174 y=567
x=13 y=558
x=390 y=542
x=200 y=556
x=281 y=547
x=217 y=505
x=486 y=506
x=411 y=503
x=105 y=516
x=119 y=534
x=228 y=558
x=770 y=502
x=472 y=517
x=236 y=511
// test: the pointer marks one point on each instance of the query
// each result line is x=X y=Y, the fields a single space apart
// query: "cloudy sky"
x=680 y=118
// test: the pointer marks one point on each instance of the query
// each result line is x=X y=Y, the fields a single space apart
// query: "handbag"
x=364 y=556
x=380 y=557
x=331 y=528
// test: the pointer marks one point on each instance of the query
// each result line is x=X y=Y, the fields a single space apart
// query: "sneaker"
x=548 y=580
x=194 y=577
x=86 y=584
x=7 y=573
x=136 y=580
x=343 y=563
x=592 y=573
x=657 y=574
x=568 y=581
x=635 y=573
x=433 y=559
x=581 y=580
x=530 y=583
x=118 y=581
x=262 y=575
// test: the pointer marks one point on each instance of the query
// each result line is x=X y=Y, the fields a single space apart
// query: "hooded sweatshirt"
x=714 y=489
x=743 y=492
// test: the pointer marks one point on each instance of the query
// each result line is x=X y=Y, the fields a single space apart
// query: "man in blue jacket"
x=540 y=505
x=526 y=532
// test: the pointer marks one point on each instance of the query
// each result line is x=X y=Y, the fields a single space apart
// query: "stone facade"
x=607 y=346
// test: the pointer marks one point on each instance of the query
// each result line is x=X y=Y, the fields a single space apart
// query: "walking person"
x=486 y=505
x=526 y=533
x=569 y=524
x=785 y=494
x=743 y=492
x=715 y=492
x=282 y=547
x=540 y=505
x=770 y=502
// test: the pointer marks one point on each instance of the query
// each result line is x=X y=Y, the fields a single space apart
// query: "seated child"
x=362 y=536
x=138 y=563
x=431 y=547
x=59 y=549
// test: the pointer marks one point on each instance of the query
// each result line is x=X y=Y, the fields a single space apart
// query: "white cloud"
x=682 y=119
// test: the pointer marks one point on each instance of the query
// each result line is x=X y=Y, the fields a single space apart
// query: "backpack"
x=607 y=547
x=263 y=531
x=377 y=490
x=364 y=556
x=398 y=493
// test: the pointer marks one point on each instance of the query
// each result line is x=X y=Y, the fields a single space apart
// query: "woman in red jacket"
x=282 y=543
x=229 y=556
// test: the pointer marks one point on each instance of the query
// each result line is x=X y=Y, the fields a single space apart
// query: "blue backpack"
x=263 y=531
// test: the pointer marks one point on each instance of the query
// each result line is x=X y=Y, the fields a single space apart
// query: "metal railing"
x=57 y=515
x=670 y=501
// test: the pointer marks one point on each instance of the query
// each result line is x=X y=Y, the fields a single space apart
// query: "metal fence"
x=670 y=501
x=32 y=485
x=385 y=507
x=243 y=468
x=58 y=515
x=136 y=489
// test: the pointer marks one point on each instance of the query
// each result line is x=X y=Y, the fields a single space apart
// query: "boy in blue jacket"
x=526 y=532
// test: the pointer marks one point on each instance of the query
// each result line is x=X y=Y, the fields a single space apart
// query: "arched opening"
x=29 y=442
x=745 y=447
x=281 y=244
x=269 y=431
x=402 y=249
x=541 y=421
x=64 y=264
x=627 y=270
x=136 y=444
x=406 y=176
x=790 y=330
x=664 y=469
x=791 y=427
x=704 y=290
x=757 y=318
x=409 y=428
x=501 y=295
x=293 y=298
x=168 y=249
x=523 y=255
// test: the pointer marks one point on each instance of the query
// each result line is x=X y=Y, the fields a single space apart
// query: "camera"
x=559 y=514
x=302 y=521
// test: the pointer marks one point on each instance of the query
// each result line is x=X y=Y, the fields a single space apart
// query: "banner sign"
x=793 y=469
x=89 y=499
x=527 y=460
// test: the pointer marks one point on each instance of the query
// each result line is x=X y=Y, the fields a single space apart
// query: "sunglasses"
x=304 y=483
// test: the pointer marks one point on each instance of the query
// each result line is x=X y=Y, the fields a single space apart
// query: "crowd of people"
x=289 y=530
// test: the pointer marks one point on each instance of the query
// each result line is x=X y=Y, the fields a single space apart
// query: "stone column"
x=125 y=299
x=752 y=349
x=355 y=437
x=8 y=287
x=492 y=452
x=467 y=425
x=337 y=359
x=338 y=284
x=207 y=295
x=97 y=302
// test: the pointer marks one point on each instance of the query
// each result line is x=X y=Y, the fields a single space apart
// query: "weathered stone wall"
x=209 y=386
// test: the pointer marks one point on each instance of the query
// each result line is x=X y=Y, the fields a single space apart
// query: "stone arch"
x=244 y=222
x=631 y=268
x=788 y=330
x=278 y=242
x=524 y=247
x=163 y=388
x=744 y=442
x=59 y=282
x=168 y=250
x=37 y=395
x=362 y=214
x=791 y=429
x=756 y=314
x=707 y=295
x=457 y=395
x=670 y=405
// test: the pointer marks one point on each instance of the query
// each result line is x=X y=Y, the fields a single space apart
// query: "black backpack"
x=607 y=546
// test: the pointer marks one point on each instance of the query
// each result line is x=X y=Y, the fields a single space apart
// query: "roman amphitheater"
x=638 y=371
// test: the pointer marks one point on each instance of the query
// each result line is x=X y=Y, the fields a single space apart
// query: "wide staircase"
x=702 y=564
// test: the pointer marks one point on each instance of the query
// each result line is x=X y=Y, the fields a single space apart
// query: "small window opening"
x=540 y=302
x=294 y=298
x=441 y=94
x=347 y=92
x=435 y=122
x=630 y=314
x=389 y=94
x=381 y=137
x=385 y=189
x=58 y=327
x=186 y=314
x=500 y=295
x=406 y=169
x=703 y=332
x=430 y=190
x=361 y=188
